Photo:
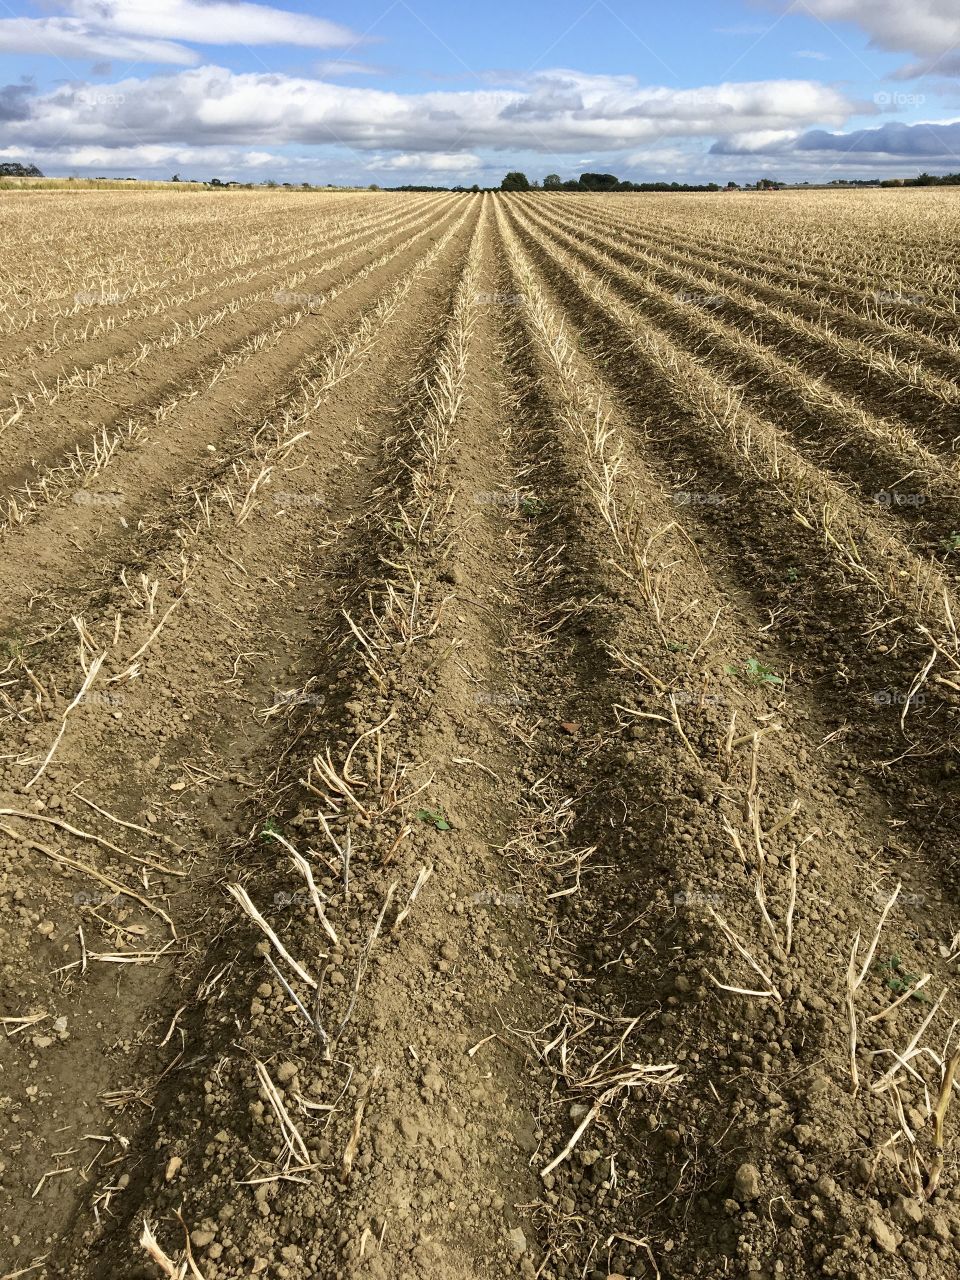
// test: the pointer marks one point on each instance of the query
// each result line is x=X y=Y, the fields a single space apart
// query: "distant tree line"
x=11 y=170
x=517 y=181
x=924 y=180
x=411 y=187
x=597 y=182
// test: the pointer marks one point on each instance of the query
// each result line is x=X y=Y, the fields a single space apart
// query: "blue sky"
x=393 y=91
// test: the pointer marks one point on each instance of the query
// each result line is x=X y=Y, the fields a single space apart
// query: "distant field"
x=133 y=185
x=479 y=690
x=94 y=184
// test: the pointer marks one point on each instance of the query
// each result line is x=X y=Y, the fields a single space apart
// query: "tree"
x=552 y=182
x=175 y=178
x=10 y=169
x=598 y=181
x=515 y=182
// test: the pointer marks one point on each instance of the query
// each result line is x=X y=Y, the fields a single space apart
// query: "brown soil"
x=492 y=751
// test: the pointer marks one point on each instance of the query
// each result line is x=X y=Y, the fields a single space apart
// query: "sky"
x=434 y=92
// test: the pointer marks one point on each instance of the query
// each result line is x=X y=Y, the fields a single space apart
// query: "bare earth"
x=479 y=687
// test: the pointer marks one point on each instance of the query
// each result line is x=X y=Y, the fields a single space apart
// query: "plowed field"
x=479 y=689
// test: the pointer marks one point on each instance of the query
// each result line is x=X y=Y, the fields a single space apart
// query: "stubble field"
x=479 y=687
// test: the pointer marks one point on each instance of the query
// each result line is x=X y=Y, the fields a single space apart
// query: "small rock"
x=746 y=1182
x=517 y=1242
x=174 y=1165
x=286 y=1072
x=881 y=1234
x=906 y=1211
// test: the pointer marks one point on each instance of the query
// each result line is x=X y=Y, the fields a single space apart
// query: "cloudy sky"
x=394 y=91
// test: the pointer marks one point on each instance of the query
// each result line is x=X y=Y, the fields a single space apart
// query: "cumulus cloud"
x=925 y=143
x=560 y=112
x=929 y=29
x=428 y=162
x=155 y=30
x=136 y=159
x=15 y=101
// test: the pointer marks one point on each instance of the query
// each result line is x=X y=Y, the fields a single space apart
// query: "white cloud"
x=345 y=67
x=929 y=29
x=69 y=38
x=137 y=159
x=154 y=30
x=757 y=142
x=429 y=162
x=814 y=55
x=560 y=112
x=905 y=147
x=212 y=22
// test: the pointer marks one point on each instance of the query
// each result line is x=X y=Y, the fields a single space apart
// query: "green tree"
x=552 y=182
x=598 y=181
x=515 y=182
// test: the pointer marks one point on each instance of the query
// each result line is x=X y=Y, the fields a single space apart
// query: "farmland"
x=479 y=688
